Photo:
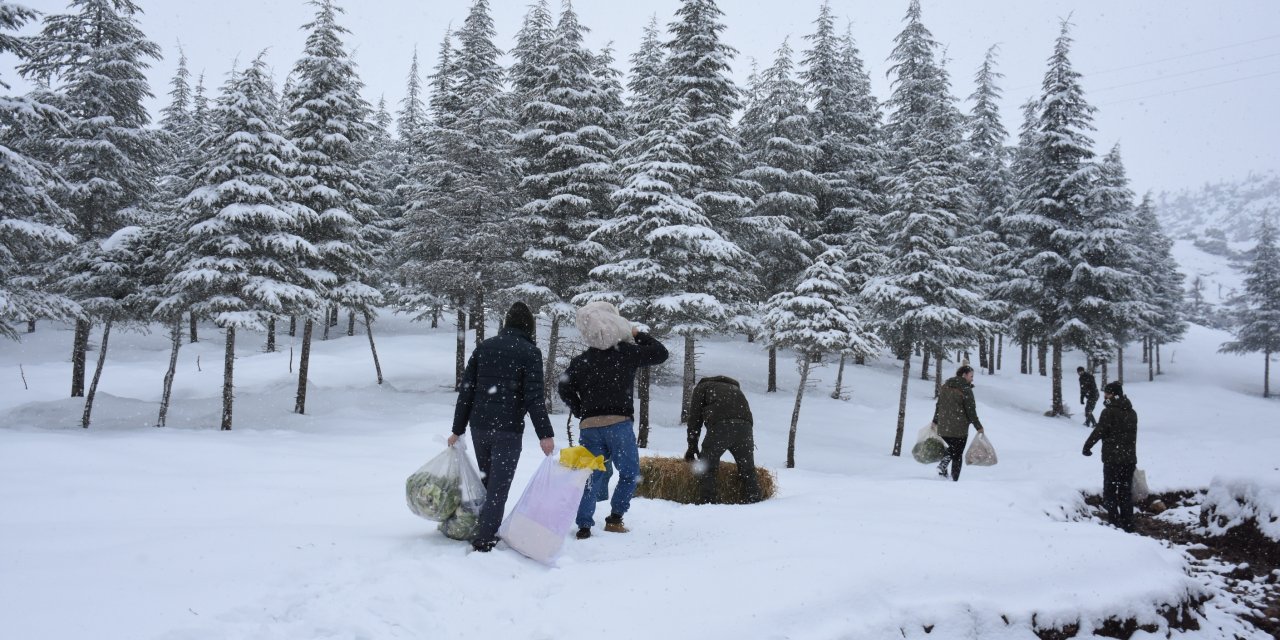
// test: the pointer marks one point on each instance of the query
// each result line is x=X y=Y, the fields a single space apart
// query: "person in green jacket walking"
x=718 y=402
x=955 y=411
x=1118 y=430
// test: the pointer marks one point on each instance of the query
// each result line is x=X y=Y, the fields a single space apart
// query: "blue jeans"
x=617 y=443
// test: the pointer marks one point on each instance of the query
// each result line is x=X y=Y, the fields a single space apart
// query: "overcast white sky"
x=1189 y=88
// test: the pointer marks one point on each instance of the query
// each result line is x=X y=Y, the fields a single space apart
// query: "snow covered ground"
x=295 y=526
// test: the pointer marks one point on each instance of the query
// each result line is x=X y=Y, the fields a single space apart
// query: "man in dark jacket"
x=718 y=402
x=597 y=388
x=1088 y=395
x=502 y=382
x=1118 y=431
x=955 y=411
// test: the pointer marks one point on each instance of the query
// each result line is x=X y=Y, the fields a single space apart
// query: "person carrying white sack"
x=598 y=388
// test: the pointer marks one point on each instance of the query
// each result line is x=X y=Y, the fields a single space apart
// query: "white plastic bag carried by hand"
x=448 y=485
x=538 y=524
x=981 y=453
x=929 y=447
x=1140 y=490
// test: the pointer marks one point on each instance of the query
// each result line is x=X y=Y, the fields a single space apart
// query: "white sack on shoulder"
x=602 y=326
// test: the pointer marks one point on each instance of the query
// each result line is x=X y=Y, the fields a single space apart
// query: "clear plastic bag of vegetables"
x=447 y=489
x=929 y=446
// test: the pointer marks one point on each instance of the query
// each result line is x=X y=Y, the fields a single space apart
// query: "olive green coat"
x=956 y=409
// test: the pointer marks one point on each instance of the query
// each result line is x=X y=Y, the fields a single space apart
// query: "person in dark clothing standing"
x=955 y=411
x=1118 y=430
x=502 y=382
x=598 y=388
x=1088 y=395
x=718 y=402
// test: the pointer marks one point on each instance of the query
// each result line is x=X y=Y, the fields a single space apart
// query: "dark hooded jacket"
x=599 y=382
x=1088 y=387
x=956 y=409
x=1118 y=430
x=503 y=382
x=716 y=400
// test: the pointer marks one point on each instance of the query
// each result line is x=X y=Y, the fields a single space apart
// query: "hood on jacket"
x=957 y=382
x=724 y=379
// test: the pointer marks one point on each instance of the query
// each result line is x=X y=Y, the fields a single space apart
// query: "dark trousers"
x=734 y=437
x=1117 y=494
x=1090 y=403
x=955 y=456
x=497 y=453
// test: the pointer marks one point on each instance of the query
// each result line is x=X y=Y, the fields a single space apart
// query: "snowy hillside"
x=1233 y=208
x=295 y=526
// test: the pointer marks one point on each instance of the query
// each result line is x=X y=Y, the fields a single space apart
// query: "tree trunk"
x=1025 y=359
x=1151 y=362
x=31 y=326
x=304 y=360
x=175 y=336
x=435 y=317
x=351 y=323
x=293 y=326
x=690 y=372
x=1120 y=363
x=1042 y=351
x=228 y=388
x=328 y=322
x=795 y=413
x=97 y=375
x=1000 y=352
x=642 y=390
x=751 y=338
x=991 y=356
x=549 y=376
x=1105 y=373
x=924 y=365
x=194 y=336
x=79 y=349
x=1058 y=408
x=835 y=395
x=1266 y=374
x=860 y=359
x=1158 y=371
x=333 y=315
x=368 y=327
x=773 y=369
x=937 y=376
x=477 y=317
x=460 y=354
x=271 y=335
x=902 y=403
x=982 y=352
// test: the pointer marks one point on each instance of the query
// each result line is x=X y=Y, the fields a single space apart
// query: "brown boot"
x=584 y=533
x=614 y=524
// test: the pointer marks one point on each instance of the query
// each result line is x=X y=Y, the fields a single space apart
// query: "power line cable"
x=1184 y=73
x=1185 y=89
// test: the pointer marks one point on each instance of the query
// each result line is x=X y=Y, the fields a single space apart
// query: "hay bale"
x=673 y=479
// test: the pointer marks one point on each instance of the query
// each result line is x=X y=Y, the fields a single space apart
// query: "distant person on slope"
x=597 y=387
x=502 y=382
x=955 y=411
x=1088 y=395
x=1117 y=428
x=718 y=402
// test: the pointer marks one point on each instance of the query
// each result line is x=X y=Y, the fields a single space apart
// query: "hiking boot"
x=613 y=524
x=583 y=533
x=483 y=546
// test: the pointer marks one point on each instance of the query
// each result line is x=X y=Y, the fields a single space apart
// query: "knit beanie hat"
x=1114 y=388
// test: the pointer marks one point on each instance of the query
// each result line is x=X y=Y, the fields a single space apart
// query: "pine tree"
x=1259 y=328
x=813 y=318
x=698 y=76
x=1060 y=174
x=928 y=293
x=328 y=126
x=33 y=225
x=1160 y=270
x=95 y=57
x=647 y=85
x=1019 y=289
x=569 y=175
x=244 y=253
x=780 y=156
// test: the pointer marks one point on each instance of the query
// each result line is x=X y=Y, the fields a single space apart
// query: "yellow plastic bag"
x=581 y=458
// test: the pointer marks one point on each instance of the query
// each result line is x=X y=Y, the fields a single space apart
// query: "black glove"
x=690 y=454
x=1087 y=452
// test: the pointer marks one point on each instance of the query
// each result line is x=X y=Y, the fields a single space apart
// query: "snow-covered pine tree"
x=568 y=149
x=1018 y=289
x=646 y=85
x=181 y=138
x=33 y=225
x=815 y=317
x=664 y=250
x=992 y=185
x=244 y=253
x=95 y=58
x=328 y=125
x=1259 y=328
x=1060 y=174
x=1160 y=269
x=928 y=294
x=780 y=153
x=698 y=75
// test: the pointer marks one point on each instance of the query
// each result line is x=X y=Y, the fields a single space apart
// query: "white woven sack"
x=602 y=326
x=540 y=521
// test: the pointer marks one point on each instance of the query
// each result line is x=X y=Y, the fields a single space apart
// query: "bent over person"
x=502 y=382
x=1118 y=430
x=718 y=402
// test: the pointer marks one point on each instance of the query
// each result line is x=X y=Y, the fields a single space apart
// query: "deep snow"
x=296 y=527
